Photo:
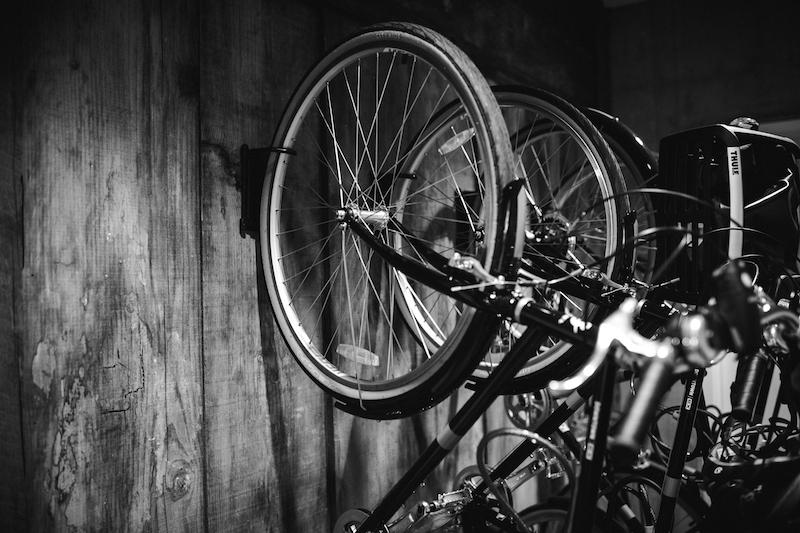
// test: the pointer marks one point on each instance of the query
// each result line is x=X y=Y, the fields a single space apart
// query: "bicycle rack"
x=254 y=169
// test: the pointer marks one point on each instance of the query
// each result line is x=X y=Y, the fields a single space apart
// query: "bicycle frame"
x=677 y=457
x=453 y=278
x=524 y=311
x=684 y=218
x=452 y=432
x=520 y=309
x=584 y=506
x=501 y=301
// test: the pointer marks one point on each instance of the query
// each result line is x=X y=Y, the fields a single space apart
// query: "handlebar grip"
x=656 y=380
x=738 y=307
x=744 y=392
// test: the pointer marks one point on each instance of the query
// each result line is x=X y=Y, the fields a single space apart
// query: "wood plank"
x=265 y=421
x=12 y=502
x=176 y=298
x=111 y=302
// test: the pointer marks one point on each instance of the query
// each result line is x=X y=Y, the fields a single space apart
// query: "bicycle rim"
x=356 y=138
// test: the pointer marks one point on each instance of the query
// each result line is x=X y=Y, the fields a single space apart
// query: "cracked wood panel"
x=265 y=421
x=110 y=317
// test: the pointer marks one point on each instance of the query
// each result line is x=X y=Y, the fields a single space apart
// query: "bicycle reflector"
x=726 y=177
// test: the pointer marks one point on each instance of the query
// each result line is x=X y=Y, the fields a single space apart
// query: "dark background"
x=143 y=385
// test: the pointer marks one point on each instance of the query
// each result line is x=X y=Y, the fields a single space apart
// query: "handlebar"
x=730 y=322
x=615 y=331
x=744 y=393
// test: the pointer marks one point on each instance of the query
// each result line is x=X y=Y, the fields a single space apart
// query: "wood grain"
x=12 y=501
x=111 y=301
x=265 y=422
x=155 y=390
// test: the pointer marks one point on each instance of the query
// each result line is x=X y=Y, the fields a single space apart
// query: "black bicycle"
x=413 y=221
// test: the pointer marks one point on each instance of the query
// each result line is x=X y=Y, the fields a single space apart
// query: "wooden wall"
x=144 y=385
x=679 y=64
x=12 y=503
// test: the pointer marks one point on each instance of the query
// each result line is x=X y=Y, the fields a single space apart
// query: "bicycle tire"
x=689 y=516
x=691 y=509
x=552 y=515
x=578 y=201
x=639 y=167
x=344 y=146
x=547 y=517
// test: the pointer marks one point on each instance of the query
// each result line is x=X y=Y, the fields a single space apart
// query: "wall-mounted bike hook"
x=254 y=169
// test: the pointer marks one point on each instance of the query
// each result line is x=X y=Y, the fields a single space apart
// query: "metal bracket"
x=254 y=169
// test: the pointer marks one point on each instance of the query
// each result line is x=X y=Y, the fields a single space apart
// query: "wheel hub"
x=551 y=234
x=375 y=219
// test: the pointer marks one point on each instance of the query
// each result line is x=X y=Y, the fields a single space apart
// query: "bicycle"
x=432 y=221
x=754 y=370
x=433 y=186
x=617 y=327
x=618 y=330
x=752 y=482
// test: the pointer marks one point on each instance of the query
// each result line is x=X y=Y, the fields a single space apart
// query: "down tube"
x=583 y=507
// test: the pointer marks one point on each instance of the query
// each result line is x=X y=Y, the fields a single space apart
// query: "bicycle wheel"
x=639 y=501
x=546 y=518
x=690 y=507
x=364 y=140
x=576 y=197
x=552 y=516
